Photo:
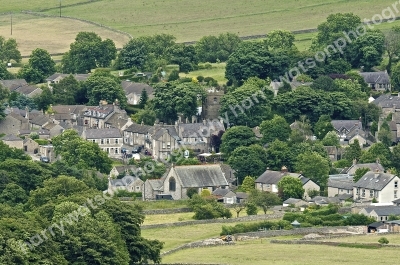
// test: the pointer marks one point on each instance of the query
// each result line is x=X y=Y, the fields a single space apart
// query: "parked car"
x=44 y=159
x=136 y=149
x=123 y=150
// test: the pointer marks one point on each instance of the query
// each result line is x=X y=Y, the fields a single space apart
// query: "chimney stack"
x=376 y=173
x=284 y=169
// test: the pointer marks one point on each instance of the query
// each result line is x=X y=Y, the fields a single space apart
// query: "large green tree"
x=81 y=153
x=217 y=48
x=9 y=50
x=275 y=129
x=323 y=126
x=263 y=199
x=313 y=166
x=247 y=161
x=290 y=187
x=66 y=90
x=237 y=136
x=88 y=52
x=39 y=67
x=280 y=39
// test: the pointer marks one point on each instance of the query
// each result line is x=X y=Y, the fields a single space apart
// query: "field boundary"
x=215 y=221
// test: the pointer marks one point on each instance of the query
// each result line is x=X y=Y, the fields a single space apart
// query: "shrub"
x=251 y=209
x=252 y=227
x=383 y=240
x=200 y=78
x=208 y=66
x=174 y=75
x=125 y=193
x=191 y=191
x=42 y=141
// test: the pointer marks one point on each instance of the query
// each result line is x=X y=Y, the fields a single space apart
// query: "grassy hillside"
x=189 y=20
x=36 y=5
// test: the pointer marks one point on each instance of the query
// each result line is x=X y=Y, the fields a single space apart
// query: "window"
x=172 y=184
x=116 y=141
x=102 y=141
x=163 y=145
x=363 y=193
x=116 y=150
x=86 y=122
x=395 y=184
x=371 y=193
x=348 y=191
x=168 y=145
x=395 y=193
x=341 y=190
x=358 y=191
x=108 y=141
x=94 y=141
x=215 y=100
x=137 y=188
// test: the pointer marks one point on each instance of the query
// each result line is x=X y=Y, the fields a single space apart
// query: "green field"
x=260 y=252
x=190 y=20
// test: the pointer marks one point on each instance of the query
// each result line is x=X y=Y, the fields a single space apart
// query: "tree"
x=237 y=136
x=21 y=101
x=215 y=141
x=39 y=67
x=248 y=184
x=247 y=161
x=383 y=240
x=143 y=99
x=251 y=208
x=275 y=129
x=4 y=73
x=81 y=153
x=252 y=59
x=214 y=49
x=191 y=191
x=395 y=76
x=9 y=50
x=377 y=151
x=45 y=99
x=205 y=193
x=323 y=126
x=313 y=166
x=324 y=83
x=291 y=188
x=238 y=207
x=279 y=154
x=66 y=90
x=174 y=75
x=104 y=86
x=331 y=139
x=353 y=151
x=247 y=105
x=286 y=87
x=146 y=115
x=88 y=52
x=133 y=54
x=280 y=39
x=13 y=195
x=263 y=199
x=183 y=55
x=385 y=136
x=392 y=46
x=359 y=173
x=173 y=98
x=396 y=157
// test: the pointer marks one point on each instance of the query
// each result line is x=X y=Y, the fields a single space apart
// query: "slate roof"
x=170 y=129
x=117 y=120
x=374 y=180
x=17 y=116
x=187 y=130
x=197 y=176
x=386 y=210
x=220 y=192
x=78 y=77
x=102 y=133
x=125 y=181
x=341 y=184
x=376 y=77
x=229 y=173
x=293 y=201
x=325 y=200
x=371 y=166
x=242 y=195
x=349 y=125
x=375 y=225
x=344 y=197
x=10 y=138
x=68 y=109
x=40 y=120
x=387 y=101
x=99 y=112
x=13 y=84
x=273 y=177
x=139 y=128
x=26 y=90
x=137 y=88
x=303 y=179
x=156 y=184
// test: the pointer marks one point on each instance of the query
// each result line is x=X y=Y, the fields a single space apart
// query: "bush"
x=42 y=141
x=383 y=240
x=200 y=78
x=208 y=208
x=253 y=227
x=251 y=209
x=191 y=191
x=207 y=66
x=125 y=193
x=174 y=75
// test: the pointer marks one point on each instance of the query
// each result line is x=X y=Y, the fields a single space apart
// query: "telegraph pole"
x=60 y=8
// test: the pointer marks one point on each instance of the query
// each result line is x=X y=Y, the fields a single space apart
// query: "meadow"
x=261 y=252
x=189 y=20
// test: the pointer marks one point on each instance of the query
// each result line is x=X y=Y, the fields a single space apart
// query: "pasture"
x=190 y=20
x=261 y=252
x=52 y=34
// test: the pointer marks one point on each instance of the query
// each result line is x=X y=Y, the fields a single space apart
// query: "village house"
x=268 y=181
x=108 y=139
x=383 y=187
x=339 y=186
x=134 y=90
x=138 y=134
x=105 y=116
x=30 y=146
x=57 y=77
x=380 y=213
x=225 y=196
x=121 y=170
x=70 y=114
x=180 y=179
x=13 y=141
x=275 y=85
x=127 y=183
x=13 y=123
x=349 y=130
x=13 y=84
x=295 y=203
x=379 y=81
x=388 y=103
x=371 y=166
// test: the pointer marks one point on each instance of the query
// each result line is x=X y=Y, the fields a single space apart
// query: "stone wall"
x=167 y=211
x=212 y=221
x=301 y=231
x=198 y=244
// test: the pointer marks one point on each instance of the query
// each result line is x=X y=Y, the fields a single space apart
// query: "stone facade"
x=212 y=104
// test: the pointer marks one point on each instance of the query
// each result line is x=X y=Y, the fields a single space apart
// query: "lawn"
x=262 y=252
x=372 y=238
x=52 y=34
x=162 y=204
x=217 y=72
x=190 y=20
